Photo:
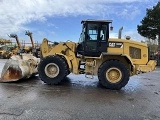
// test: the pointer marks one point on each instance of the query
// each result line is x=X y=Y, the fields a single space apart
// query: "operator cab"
x=94 y=37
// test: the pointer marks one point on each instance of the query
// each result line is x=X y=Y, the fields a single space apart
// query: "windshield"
x=82 y=36
x=97 y=32
x=94 y=32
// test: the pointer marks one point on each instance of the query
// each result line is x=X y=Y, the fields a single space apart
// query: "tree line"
x=150 y=25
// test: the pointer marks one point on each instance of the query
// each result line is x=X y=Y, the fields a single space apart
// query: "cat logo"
x=115 y=44
x=112 y=44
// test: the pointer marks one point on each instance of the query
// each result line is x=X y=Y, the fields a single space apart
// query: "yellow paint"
x=68 y=51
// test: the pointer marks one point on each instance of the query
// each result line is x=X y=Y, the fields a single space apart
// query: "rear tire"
x=113 y=74
x=52 y=69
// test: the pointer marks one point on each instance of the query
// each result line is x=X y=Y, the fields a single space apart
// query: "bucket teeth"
x=11 y=71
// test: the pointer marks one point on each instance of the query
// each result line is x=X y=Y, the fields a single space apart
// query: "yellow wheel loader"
x=21 y=48
x=6 y=49
x=35 y=49
x=113 y=60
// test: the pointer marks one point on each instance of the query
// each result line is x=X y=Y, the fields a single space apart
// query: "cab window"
x=103 y=32
x=92 y=33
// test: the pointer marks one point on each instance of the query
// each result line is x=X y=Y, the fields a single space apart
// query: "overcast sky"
x=59 y=20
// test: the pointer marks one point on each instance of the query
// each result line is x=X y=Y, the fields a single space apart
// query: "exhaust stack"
x=120 y=33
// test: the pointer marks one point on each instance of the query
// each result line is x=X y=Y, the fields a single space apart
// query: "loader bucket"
x=19 y=67
x=11 y=71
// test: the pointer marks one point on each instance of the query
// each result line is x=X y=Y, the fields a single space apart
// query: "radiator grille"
x=135 y=53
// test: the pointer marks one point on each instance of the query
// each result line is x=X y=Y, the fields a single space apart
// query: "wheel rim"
x=51 y=70
x=113 y=75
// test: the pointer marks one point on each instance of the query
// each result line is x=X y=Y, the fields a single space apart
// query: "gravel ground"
x=79 y=98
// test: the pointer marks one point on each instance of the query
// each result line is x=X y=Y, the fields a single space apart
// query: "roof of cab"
x=102 y=21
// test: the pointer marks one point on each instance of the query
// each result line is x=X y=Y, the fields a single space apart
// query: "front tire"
x=52 y=69
x=113 y=74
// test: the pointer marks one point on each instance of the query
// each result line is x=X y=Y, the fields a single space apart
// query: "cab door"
x=96 y=39
x=103 y=40
x=91 y=42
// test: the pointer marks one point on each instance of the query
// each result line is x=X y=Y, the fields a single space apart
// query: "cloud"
x=113 y=35
x=16 y=14
x=134 y=35
x=129 y=12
